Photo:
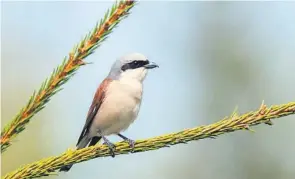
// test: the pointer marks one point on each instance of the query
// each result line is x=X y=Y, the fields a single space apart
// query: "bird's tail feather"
x=94 y=140
x=82 y=144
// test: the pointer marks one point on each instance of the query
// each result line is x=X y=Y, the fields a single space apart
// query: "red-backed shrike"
x=116 y=102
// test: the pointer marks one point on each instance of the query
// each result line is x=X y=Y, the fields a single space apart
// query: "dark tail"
x=94 y=140
x=81 y=145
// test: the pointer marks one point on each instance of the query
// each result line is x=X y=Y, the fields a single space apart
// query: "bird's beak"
x=151 y=65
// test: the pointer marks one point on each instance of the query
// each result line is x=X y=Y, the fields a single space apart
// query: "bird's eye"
x=134 y=64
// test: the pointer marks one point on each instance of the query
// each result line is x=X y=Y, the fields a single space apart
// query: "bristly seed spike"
x=65 y=70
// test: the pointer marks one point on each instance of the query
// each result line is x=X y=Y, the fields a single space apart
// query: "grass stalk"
x=235 y=122
x=65 y=71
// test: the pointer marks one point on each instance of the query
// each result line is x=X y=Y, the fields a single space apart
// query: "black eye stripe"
x=134 y=64
x=138 y=63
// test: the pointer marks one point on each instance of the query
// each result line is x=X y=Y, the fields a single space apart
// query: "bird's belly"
x=116 y=114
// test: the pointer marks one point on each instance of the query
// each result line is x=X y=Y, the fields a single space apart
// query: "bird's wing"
x=96 y=103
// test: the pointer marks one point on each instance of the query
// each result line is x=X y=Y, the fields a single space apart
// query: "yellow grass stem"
x=48 y=166
x=65 y=71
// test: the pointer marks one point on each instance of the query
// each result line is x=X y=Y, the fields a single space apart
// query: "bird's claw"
x=131 y=143
x=112 y=148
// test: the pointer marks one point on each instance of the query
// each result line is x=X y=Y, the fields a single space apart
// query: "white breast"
x=120 y=107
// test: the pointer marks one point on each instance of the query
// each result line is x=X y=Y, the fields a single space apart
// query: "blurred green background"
x=213 y=56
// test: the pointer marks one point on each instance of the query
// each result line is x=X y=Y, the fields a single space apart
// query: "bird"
x=116 y=103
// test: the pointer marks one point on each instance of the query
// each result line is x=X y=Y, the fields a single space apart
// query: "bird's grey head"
x=133 y=66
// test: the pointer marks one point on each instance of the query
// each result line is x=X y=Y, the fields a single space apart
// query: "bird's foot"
x=130 y=142
x=111 y=146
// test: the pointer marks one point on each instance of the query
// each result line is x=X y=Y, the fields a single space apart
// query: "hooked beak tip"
x=151 y=65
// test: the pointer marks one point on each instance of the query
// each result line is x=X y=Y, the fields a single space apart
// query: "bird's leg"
x=131 y=142
x=109 y=144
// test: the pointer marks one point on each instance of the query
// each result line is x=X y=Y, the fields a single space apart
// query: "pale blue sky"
x=213 y=56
